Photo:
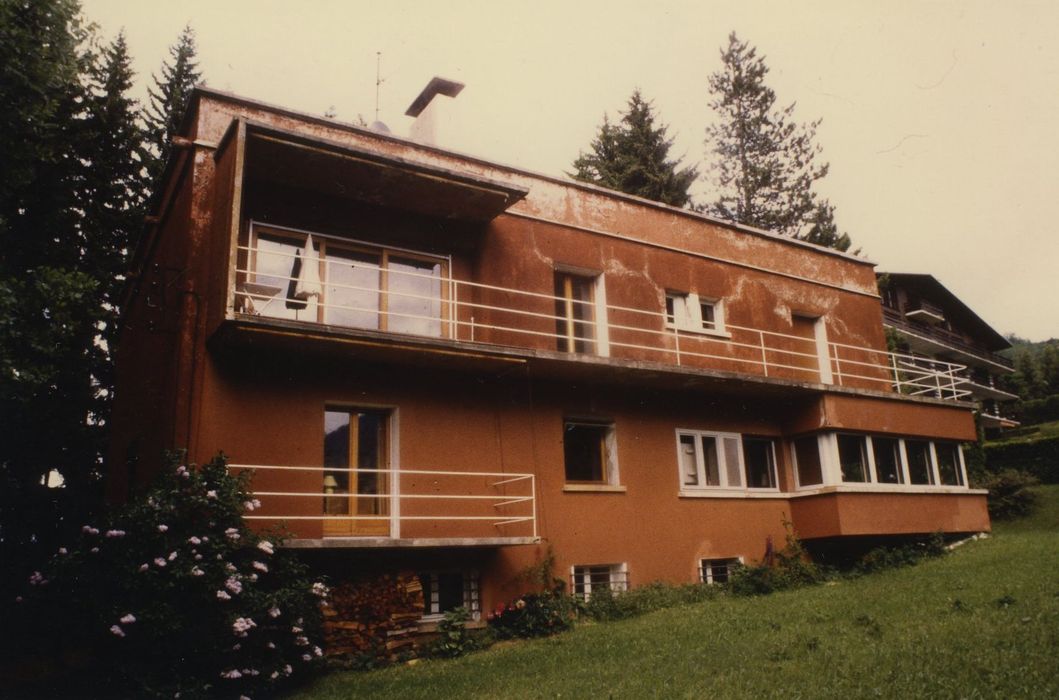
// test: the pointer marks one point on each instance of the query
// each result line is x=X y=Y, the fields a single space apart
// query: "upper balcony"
x=311 y=280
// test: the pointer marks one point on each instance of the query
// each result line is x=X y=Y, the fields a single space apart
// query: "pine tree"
x=632 y=157
x=169 y=98
x=765 y=164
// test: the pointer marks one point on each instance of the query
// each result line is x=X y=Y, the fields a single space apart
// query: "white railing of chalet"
x=508 y=508
x=644 y=331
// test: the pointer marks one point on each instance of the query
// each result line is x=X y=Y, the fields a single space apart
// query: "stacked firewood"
x=375 y=616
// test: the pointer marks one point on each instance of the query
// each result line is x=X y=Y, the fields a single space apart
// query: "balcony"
x=336 y=283
x=357 y=507
x=938 y=340
x=925 y=312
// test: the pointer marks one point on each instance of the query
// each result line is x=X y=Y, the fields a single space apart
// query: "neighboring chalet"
x=931 y=322
x=441 y=365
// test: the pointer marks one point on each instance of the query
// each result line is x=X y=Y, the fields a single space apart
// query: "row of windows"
x=716 y=460
x=586 y=578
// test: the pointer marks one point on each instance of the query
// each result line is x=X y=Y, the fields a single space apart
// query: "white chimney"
x=433 y=114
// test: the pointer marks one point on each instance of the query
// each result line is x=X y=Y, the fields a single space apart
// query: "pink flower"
x=94 y=550
x=271 y=645
x=211 y=494
x=266 y=547
x=194 y=540
x=172 y=556
x=242 y=626
x=301 y=641
x=62 y=550
x=320 y=589
x=115 y=533
x=306 y=657
x=263 y=568
x=287 y=670
x=144 y=567
x=196 y=571
x=89 y=530
x=233 y=674
x=274 y=611
x=221 y=595
x=163 y=528
x=37 y=579
x=233 y=585
x=317 y=651
x=159 y=562
x=232 y=534
x=127 y=619
x=117 y=631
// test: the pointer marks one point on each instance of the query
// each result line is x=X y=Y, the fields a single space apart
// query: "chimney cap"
x=436 y=86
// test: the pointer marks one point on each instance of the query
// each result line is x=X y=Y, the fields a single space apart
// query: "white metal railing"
x=490 y=314
x=494 y=504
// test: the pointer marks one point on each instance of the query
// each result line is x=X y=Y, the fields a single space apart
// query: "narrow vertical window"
x=887 y=452
x=853 y=458
x=949 y=463
x=920 y=470
x=759 y=456
x=575 y=313
x=807 y=455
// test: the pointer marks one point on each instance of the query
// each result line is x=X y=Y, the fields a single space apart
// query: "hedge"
x=1039 y=458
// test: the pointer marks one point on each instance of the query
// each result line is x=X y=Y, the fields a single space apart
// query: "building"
x=438 y=364
x=929 y=321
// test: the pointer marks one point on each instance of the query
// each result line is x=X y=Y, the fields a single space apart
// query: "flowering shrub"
x=535 y=615
x=176 y=597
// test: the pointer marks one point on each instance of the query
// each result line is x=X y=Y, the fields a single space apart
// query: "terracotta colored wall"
x=886 y=416
x=830 y=515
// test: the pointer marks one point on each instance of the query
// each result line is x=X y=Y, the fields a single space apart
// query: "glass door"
x=356 y=479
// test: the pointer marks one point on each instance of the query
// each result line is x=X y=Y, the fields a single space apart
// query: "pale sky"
x=939 y=118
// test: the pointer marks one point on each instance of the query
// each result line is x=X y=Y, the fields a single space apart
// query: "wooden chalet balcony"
x=407 y=294
x=938 y=340
x=357 y=507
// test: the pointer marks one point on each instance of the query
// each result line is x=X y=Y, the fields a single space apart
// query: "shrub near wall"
x=1039 y=458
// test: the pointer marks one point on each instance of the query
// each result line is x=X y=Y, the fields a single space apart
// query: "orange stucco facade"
x=493 y=373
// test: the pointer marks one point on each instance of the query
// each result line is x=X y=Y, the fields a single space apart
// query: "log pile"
x=375 y=616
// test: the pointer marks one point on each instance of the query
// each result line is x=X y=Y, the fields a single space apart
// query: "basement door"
x=356 y=477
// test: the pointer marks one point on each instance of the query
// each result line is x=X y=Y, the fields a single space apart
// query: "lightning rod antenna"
x=378 y=81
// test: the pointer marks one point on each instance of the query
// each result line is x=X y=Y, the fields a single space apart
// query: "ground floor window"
x=590 y=452
x=709 y=460
x=807 y=461
x=444 y=591
x=593 y=577
x=717 y=570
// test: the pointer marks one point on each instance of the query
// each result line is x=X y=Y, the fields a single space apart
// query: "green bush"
x=1039 y=458
x=1009 y=493
x=175 y=596
x=791 y=568
x=453 y=637
x=882 y=558
x=604 y=605
x=535 y=615
x=1039 y=410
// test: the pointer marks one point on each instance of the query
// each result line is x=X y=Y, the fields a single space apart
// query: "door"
x=356 y=479
x=812 y=353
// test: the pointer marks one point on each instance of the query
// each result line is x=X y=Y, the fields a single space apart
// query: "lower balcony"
x=323 y=507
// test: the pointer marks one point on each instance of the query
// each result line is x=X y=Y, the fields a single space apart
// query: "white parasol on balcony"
x=308 y=279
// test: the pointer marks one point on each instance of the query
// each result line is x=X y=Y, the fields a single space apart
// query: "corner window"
x=717 y=570
x=690 y=312
x=444 y=591
x=853 y=458
x=590 y=452
x=807 y=459
x=587 y=578
x=920 y=470
x=887 y=453
x=950 y=471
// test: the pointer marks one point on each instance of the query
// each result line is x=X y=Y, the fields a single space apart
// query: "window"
x=950 y=471
x=593 y=577
x=807 y=458
x=920 y=470
x=689 y=312
x=590 y=452
x=760 y=457
x=853 y=458
x=361 y=286
x=725 y=461
x=718 y=570
x=355 y=482
x=575 y=313
x=887 y=453
x=444 y=591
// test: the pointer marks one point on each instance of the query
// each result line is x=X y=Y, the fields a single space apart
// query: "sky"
x=940 y=118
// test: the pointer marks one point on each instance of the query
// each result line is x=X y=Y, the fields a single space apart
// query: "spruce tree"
x=765 y=164
x=632 y=156
x=169 y=99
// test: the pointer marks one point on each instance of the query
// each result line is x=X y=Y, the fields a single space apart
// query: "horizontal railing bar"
x=388 y=518
x=284 y=467
x=376 y=495
x=517 y=478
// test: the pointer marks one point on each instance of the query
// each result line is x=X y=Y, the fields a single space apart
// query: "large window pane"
x=336 y=458
x=413 y=302
x=853 y=458
x=949 y=463
x=585 y=452
x=574 y=313
x=887 y=460
x=807 y=454
x=689 y=470
x=352 y=288
x=711 y=460
x=760 y=467
x=277 y=264
x=732 y=466
x=919 y=467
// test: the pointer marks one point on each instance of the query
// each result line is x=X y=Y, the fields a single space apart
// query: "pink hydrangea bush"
x=185 y=600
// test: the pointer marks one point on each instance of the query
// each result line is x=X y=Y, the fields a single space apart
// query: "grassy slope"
x=933 y=630
x=1043 y=430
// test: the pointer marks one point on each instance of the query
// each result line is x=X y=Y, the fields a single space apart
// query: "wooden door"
x=356 y=478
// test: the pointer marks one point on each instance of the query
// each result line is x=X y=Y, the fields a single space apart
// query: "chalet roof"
x=956 y=312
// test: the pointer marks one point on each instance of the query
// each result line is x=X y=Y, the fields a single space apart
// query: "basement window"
x=718 y=570
x=587 y=578
x=444 y=591
x=590 y=452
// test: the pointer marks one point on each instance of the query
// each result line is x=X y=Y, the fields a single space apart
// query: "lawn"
x=980 y=622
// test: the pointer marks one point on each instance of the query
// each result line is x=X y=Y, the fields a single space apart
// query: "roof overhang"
x=294 y=159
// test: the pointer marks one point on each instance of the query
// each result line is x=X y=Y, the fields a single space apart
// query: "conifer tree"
x=632 y=156
x=765 y=165
x=169 y=99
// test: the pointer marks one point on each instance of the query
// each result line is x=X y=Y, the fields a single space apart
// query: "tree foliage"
x=169 y=99
x=632 y=156
x=765 y=164
x=1036 y=373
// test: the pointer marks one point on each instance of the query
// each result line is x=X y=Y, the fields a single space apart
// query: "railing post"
x=897 y=378
x=676 y=336
x=533 y=502
x=764 y=356
x=395 y=503
x=838 y=363
x=937 y=380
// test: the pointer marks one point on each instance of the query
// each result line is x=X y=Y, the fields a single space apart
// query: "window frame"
x=610 y=475
x=686 y=314
x=706 y=574
x=723 y=469
x=322 y=242
x=617 y=579
x=471 y=594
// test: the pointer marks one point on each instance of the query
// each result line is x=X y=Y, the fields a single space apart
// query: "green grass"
x=981 y=622
x=1040 y=431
